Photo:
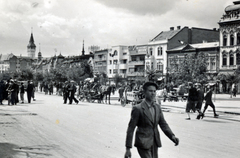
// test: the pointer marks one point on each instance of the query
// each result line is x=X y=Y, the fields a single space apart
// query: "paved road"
x=48 y=128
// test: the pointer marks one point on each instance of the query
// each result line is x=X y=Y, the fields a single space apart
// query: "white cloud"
x=64 y=24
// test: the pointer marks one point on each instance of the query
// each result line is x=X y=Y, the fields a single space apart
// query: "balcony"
x=133 y=63
x=113 y=66
x=122 y=66
x=130 y=74
x=100 y=59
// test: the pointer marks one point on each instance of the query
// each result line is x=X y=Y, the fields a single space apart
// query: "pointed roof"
x=83 y=51
x=60 y=56
x=31 y=42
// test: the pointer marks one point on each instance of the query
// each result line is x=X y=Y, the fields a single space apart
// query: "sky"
x=60 y=26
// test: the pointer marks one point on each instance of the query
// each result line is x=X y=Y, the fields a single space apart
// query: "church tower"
x=31 y=48
x=39 y=54
x=83 y=51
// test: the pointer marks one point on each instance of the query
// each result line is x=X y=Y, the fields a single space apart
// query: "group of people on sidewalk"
x=196 y=98
x=69 y=90
x=11 y=90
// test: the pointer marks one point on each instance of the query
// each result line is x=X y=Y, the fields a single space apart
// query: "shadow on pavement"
x=8 y=150
x=215 y=121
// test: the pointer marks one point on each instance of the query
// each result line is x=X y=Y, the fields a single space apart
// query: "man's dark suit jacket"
x=208 y=97
x=147 y=128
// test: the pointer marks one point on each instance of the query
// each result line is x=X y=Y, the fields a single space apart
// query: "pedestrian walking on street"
x=208 y=99
x=65 y=92
x=234 y=91
x=120 y=92
x=146 y=116
x=72 y=90
x=10 y=89
x=22 y=92
x=33 y=92
x=29 y=91
x=17 y=91
x=192 y=100
x=46 y=88
x=200 y=100
x=165 y=94
x=2 y=88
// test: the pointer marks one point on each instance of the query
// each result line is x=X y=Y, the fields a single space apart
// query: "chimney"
x=171 y=28
x=178 y=27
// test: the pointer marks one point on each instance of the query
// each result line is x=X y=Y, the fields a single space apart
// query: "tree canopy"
x=190 y=68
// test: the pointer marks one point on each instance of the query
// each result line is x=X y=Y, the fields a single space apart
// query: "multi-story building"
x=12 y=63
x=229 y=26
x=210 y=49
x=136 y=64
x=4 y=62
x=156 y=57
x=118 y=58
x=100 y=61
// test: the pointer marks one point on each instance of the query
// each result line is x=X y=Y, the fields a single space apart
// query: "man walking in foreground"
x=146 y=116
x=208 y=99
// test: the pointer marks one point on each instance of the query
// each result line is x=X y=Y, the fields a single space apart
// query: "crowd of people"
x=196 y=98
x=11 y=89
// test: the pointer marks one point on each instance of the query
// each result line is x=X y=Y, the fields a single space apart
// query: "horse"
x=106 y=91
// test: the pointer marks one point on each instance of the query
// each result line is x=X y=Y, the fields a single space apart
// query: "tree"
x=59 y=74
x=118 y=79
x=151 y=74
x=79 y=73
x=232 y=79
x=101 y=78
x=38 y=76
x=190 y=68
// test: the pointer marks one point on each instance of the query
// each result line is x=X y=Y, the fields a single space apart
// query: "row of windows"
x=232 y=38
x=231 y=59
x=159 y=51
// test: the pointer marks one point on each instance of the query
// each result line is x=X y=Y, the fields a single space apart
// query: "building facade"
x=118 y=58
x=229 y=26
x=100 y=61
x=136 y=64
x=211 y=50
x=156 y=57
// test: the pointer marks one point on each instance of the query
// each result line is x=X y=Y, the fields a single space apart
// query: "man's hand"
x=175 y=140
x=128 y=153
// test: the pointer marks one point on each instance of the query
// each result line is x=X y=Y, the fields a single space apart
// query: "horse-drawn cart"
x=134 y=97
x=91 y=96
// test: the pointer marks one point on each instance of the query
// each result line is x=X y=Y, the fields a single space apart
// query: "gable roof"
x=166 y=35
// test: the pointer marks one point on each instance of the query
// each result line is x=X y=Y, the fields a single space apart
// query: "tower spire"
x=31 y=46
x=83 y=51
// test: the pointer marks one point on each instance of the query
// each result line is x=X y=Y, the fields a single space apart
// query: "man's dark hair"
x=147 y=84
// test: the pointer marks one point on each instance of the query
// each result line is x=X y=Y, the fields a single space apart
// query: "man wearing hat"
x=146 y=116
